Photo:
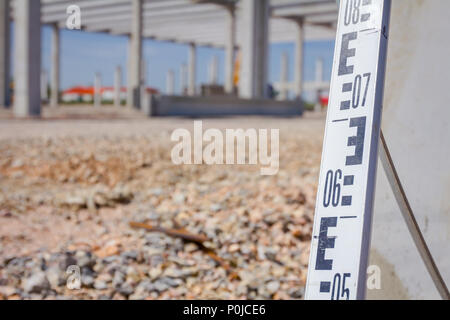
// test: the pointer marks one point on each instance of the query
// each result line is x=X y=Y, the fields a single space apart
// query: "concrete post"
x=97 y=90
x=170 y=83
x=4 y=52
x=230 y=55
x=143 y=85
x=319 y=81
x=319 y=70
x=253 y=82
x=284 y=76
x=192 y=69
x=135 y=55
x=55 y=66
x=298 y=75
x=183 y=78
x=27 y=57
x=118 y=87
x=214 y=71
x=143 y=71
x=44 y=86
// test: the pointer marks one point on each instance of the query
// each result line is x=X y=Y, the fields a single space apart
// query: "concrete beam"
x=192 y=69
x=54 y=101
x=253 y=82
x=4 y=53
x=27 y=56
x=135 y=55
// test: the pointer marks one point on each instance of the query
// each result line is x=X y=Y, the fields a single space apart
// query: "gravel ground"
x=71 y=183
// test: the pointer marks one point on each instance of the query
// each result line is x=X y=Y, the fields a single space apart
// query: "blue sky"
x=83 y=54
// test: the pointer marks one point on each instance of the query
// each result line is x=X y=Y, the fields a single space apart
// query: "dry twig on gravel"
x=189 y=237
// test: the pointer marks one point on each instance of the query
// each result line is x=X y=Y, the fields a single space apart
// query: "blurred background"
x=90 y=92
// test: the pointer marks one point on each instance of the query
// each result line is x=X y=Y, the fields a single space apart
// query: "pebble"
x=100 y=285
x=36 y=283
x=273 y=287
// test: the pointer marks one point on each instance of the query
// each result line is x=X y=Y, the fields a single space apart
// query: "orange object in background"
x=237 y=69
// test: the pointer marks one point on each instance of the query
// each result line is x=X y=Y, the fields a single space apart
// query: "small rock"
x=273 y=286
x=215 y=207
x=179 y=198
x=84 y=259
x=190 y=247
x=297 y=293
x=7 y=291
x=119 y=279
x=155 y=273
x=55 y=277
x=87 y=281
x=161 y=286
x=108 y=251
x=100 y=285
x=125 y=289
x=233 y=248
x=37 y=283
x=130 y=255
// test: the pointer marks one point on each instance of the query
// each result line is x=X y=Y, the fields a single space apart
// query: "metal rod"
x=410 y=220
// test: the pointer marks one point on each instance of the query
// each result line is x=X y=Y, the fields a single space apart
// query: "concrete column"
x=298 y=74
x=214 y=71
x=170 y=83
x=284 y=76
x=253 y=83
x=135 y=55
x=143 y=71
x=97 y=90
x=192 y=69
x=55 y=66
x=118 y=87
x=4 y=52
x=319 y=81
x=27 y=57
x=183 y=78
x=44 y=86
x=230 y=54
x=143 y=85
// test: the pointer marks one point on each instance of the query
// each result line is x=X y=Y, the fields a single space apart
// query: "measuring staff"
x=343 y=219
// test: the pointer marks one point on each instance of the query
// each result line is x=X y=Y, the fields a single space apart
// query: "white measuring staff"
x=343 y=219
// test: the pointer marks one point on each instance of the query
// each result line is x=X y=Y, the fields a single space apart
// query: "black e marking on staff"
x=346 y=53
x=325 y=242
